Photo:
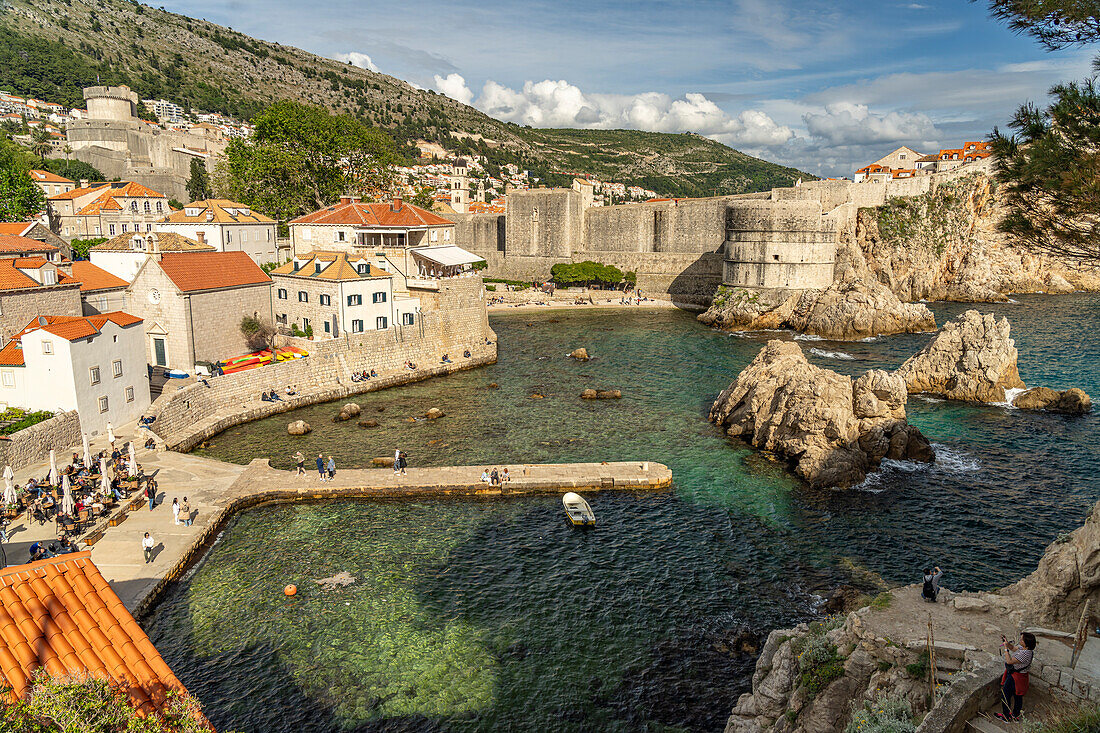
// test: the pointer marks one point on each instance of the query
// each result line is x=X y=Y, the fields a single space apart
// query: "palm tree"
x=41 y=145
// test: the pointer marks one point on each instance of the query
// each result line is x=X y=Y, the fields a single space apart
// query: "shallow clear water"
x=498 y=615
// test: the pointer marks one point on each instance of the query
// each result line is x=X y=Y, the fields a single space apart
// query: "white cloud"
x=355 y=58
x=454 y=86
x=845 y=123
x=551 y=103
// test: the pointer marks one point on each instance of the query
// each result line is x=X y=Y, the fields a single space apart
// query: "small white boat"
x=578 y=511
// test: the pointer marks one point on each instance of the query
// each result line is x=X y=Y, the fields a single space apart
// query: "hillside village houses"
x=106 y=210
x=333 y=293
x=123 y=256
x=227 y=227
x=907 y=163
x=192 y=303
x=92 y=364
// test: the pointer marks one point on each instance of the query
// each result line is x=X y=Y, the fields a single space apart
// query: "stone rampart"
x=32 y=445
x=457 y=322
x=779 y=244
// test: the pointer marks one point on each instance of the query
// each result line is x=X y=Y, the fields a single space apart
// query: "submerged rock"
x=434 y=413
x=339 y=580
x=298 y=427
x=601 y=394
x=368 y=423
x=972 y=359
x=846 y=310
x=579 y=354
x=1073 y=400
x=833 y=430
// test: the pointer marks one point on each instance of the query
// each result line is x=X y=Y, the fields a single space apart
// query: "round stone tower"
x=111 y=103
x=778 y=244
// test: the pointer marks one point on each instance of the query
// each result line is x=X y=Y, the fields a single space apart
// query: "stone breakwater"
x=261 y=484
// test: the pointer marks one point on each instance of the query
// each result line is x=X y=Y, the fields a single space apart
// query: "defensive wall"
x=685 y=248
x=454 y=320
x=32 y=445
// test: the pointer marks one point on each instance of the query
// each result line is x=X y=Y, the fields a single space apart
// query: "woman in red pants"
x=1015 y=680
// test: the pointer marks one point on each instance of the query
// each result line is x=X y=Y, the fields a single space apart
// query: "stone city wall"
x=32 y=445
x=187 y=417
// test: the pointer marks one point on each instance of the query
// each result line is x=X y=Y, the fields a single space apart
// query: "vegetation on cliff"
x=53 y=48
x=929 y=220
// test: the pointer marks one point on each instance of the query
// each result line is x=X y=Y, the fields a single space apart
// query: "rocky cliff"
x=813 y=677
x=832 y=429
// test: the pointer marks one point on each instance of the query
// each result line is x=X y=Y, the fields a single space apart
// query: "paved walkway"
x=216 y=490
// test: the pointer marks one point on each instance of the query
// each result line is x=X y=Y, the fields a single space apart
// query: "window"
x=94 y=372
x=129 y=394
x=228 y=236
x=317 y=268
x=446 y=235
x=435 y=235
x=123 y=228
x=133 y=206
x=97 y=229
x=269 y=235
x=357 y=326
x=9 y=377
x=305 y=323
x=383 y=323
x=326 y=300
x=117 y=367
x=363 y=268
x=103 y=404
x=112 y=229
x=328 y=327
x=160 y=207
x=378 y=298
x=148 y=208
x=307 y=234
x=280 y=318
x=47 y=347
x=49 y=277
x=340 y=236
x=407 y=319
x=355 y=300
x=282 y=293
x=303 y=296
x=148 y=227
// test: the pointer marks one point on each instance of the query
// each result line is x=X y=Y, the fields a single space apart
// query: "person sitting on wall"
x=445 y=360
x=373 y=373
x=275 y=396
x=466 y=354
x=290 y=392
x=264 y=396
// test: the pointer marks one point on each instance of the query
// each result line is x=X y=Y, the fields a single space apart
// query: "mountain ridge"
x=52 y=48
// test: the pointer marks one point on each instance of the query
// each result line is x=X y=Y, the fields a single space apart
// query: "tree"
x=198 y=187
x=144 y=113
x=257 y=332
x=1050 y=172
x=20 y=199
x=40 y=144
x=423 y=198
x=74 y=170
x=1054 y=23
x=301 y=158
x=81 y=246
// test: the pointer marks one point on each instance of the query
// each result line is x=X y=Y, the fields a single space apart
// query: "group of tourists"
x=326 y=467
x=1017 y=656
x=496 y=476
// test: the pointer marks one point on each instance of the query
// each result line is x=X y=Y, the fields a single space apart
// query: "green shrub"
x=818 y=660
x=817 y=679
x=918 y=670
x=22 y=418
x=586 y=273
x=517 y=284
x=81 y=246
x=882 y=601
x=883 y=715
x=491 y=288
x=481 y=265
x=1080 y=720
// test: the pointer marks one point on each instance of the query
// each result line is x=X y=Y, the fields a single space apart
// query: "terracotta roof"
x=11 y=354
x=10 y=243
x=13 y=279
x=220 y=208
x=47 y=177
x=94 y=278
x=62 y=615
x=356 y=213
x=77 y=192
x=15 y=228
x=334 y=266
x=194 y=271
x=166 y=241
x=72 y=328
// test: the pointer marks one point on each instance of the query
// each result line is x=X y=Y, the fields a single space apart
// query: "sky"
x=827 y=87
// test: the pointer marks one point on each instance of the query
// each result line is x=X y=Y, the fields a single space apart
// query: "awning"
x=447 y=255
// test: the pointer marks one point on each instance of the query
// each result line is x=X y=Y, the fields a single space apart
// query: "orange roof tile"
x=28 y=263
x=77 y=192
x=73 y=328
x=95 y=278
x=166 y=242
x=356 y=213
x=15 y=228
x=62 y=615
x=13 y=279
x=47 y=177
x=10 y=243
x=193 y=271
x=338 y=268
x=11 y=354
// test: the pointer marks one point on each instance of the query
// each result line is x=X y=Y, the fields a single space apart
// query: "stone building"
x=21 y=245
x=100 y=291
x=123 y=256
x=334 y=293
x=227 y=227
x=786 y=244
x=51 y=183
x=193 y=302
x=385 y=231
x=116 y=142
x=92 y=364
x=106 y=210
x=39 y=232
x=30 y=286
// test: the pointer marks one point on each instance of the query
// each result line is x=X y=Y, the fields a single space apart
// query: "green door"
x=159 y=352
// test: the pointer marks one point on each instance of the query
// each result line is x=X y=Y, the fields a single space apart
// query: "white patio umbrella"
x=67 y=504
x=104 y=483
x=9 y=489
x=133 y=459
x=102 y=468
x=87 y=451
x=54 y=473
x=110 y=435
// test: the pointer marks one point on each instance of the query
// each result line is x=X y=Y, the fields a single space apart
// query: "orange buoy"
x=290 y=590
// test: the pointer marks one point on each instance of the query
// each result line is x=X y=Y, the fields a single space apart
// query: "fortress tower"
x=111 y=103
x=779 y=244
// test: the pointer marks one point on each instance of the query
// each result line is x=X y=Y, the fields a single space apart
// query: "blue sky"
x=824 y=86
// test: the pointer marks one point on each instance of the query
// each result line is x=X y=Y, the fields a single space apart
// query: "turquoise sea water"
x=499 y=616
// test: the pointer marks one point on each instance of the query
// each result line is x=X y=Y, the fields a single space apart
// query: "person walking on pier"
x=185 y=510
x=321 y=466
x=300 y=459
x=176 y=510
x=151 y=493
x=331 y=466
x=147 y=547
x=396 y=461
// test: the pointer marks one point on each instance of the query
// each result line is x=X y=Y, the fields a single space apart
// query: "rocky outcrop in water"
x=579 y=354
x=298 y=427
x=846 y=310
x=972 y=359
x=1072 y=401
x=833 y=430
x=601 y=394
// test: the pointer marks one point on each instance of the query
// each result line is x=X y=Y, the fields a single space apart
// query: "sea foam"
x=831 y=354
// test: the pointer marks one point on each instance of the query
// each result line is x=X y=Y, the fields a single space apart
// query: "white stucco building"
x=124 y=255
x=92 y=364
x=227 y=227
